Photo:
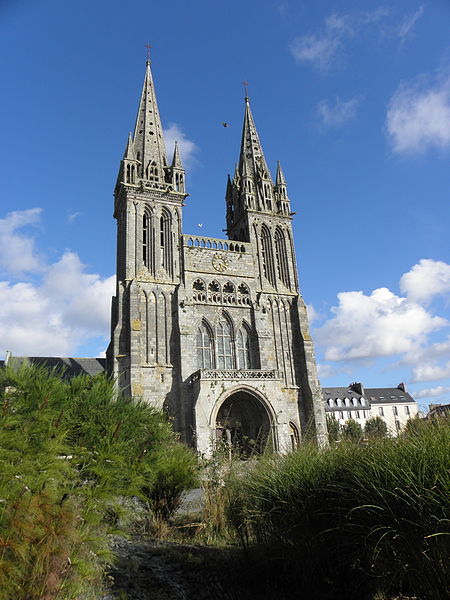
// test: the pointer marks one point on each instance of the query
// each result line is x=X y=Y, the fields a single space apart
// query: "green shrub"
x=352 y=431
x=375 y=428
x=70 y=452
x=174 y=470
x=334 y=429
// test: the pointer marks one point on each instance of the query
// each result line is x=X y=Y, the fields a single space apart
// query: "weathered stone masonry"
x=215 y=331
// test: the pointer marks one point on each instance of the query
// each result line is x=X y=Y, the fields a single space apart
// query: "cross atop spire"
x=148 y=51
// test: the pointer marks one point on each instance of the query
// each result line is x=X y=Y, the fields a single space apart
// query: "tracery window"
x=281 y=256
x=214 y=292
x=145 y=232
x=224 y=352
x=199 y=291
x=204 y=347
x=165 y=223
x=243 y=349
x=267 y=255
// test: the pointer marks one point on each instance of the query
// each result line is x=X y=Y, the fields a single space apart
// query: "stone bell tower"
x=149 y=196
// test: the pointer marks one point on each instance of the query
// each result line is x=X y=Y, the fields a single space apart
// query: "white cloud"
x=66 y=308
x=17 y=250
x=431 y=372
x=425 y=280
x=407 y=25
x=418 y=117
x=381 y=324
x=72 y=216
x=313 y=315
x=320 y=50
x=188 y=148
x=334 y=115
x=431 y=352
x=440 y=390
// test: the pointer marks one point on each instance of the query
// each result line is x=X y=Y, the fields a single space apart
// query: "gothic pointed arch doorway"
x=244 y=423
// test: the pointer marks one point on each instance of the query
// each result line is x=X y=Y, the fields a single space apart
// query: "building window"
x=281 y=256
x=166 y=241
x=267 y=255
x=243 y=349
x=395 y=411
x=294 y=435
x=204 y=347
x=381 y=411
x=145 y=240
x=357 y=414
x=407 y=411
x=224 y=345
x=341 y=414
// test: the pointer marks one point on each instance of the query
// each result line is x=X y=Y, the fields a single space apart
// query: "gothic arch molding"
x=243 y=418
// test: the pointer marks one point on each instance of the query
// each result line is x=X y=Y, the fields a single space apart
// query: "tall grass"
x=353 y=520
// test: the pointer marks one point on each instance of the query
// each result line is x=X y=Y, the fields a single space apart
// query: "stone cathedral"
x=214 y=331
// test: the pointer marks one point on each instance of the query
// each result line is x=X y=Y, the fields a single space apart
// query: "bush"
x=334 y=429
x=353 y=520
x=375 y=428
x=352 y=431
x=70 y=453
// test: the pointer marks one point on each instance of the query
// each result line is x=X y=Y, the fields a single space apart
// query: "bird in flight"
x=225 y=124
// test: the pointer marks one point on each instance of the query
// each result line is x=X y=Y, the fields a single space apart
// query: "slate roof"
x=70 y=366
x=344 y=392
x=339 y=392
x=371 y=395
x=387 y=396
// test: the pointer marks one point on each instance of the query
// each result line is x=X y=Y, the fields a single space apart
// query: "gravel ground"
x=148 y=569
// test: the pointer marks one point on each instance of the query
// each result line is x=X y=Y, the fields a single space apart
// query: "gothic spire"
x=176 y=160
x=129 y=150
x=280 y=179
x=148 y=140
x=252 y=160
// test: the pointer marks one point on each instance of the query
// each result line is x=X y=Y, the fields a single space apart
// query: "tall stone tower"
x=214 y=331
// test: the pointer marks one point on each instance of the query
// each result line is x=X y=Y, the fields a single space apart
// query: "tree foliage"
x=334 y=429
x=375 y=428
x=70 y=451
x=352 y=431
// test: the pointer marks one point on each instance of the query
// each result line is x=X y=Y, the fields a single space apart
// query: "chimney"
x=357 y=387
x=401 y=386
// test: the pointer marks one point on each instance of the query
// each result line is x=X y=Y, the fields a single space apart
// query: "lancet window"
x=281 y=256
x=204 y=347
x=243 y=348
x=148 y=257
x=218 y=347
x=267 y=255
x=224 y=344
x=165 y=240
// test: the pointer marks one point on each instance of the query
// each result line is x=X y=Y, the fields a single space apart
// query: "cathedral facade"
x=214 y=331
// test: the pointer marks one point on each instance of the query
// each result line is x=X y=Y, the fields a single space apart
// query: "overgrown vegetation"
x=71 y=454
x=355 y=521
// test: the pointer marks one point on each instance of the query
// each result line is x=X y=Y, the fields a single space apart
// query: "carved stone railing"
x=198 y=241
x=216 y=374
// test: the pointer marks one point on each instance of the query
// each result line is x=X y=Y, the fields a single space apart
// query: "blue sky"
x=353 y=98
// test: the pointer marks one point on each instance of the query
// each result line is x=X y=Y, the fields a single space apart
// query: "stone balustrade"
x=197 y=241
x=216 y=374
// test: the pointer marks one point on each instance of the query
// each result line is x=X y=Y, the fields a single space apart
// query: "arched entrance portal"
x=244 y=423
